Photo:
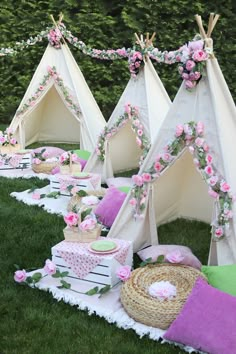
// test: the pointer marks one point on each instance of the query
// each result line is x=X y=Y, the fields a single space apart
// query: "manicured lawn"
x=31 y=320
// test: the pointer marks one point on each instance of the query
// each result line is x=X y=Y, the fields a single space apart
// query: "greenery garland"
x=189 y=135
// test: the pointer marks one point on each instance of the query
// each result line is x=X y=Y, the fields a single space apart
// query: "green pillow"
x=222 y=277
x=124 y=189
x=83 y=154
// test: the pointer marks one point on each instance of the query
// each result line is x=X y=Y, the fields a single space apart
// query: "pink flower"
x=37 y=161
x=9 y=131
x=124 y=272
x=174 y=257
x=158 y=166
x=209 y=170
x=138 y=180
x=181 y=69
x=162 y=290
x=133 y=202
x=179 y=130
x=166 y=157
x=49 y=267
x=71 y=219
x=199 y=141
x=74 y=190
x=224 y=187
x=146 y=177
x=199 y=55
x=205 y=147
x=197 y=75
x=36 y=196
x=190 y=84
x=191 y=149
x=12 y=141
x=228 y=214
x=213 y=180
x=41 y=88
x=140 y=132
x=88 y=224
x=185 y=76
x=196 y=45
x=200 y=128
x=219 y=231
x=74 y=158
x=45 y=154
x=128 y=108
x=190 y=65
x=20 y=276
x=196 y=162
x=2 y=139
x=138 y=141
x=209 y=159
x=213 y=194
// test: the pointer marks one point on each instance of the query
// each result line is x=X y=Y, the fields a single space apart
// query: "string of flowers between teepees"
x=191 y=57
x=131 y=114
x=191 y=136
x=51 y=75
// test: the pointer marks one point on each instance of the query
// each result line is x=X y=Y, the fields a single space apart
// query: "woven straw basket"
x=75 y=201
x=44 y=167
x=9 y=149
x=149 y=310
x=75 y=235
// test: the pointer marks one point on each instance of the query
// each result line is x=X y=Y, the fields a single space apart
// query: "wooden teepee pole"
x=56 y=24
x=207 y=36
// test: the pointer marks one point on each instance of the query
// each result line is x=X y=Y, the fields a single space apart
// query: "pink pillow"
x=207 y=321
x=109 y=206
x=53 y=151
x=183 y=255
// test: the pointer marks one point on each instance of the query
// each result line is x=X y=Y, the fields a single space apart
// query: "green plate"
x=103 y=246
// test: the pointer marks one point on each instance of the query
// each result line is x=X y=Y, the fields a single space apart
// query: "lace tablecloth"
x=82 y=261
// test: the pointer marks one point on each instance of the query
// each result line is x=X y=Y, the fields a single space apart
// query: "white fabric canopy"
x=147 y=93
x=181 y=191
x=51 y=118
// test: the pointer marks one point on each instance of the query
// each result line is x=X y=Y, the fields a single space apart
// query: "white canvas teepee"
x=181 y=190
x=58 y=105
x=147 y=93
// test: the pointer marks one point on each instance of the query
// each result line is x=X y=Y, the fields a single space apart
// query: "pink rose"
x=196 y=45
x=87 y=224
x=158 y=166
x=12 y=141
x=41 y=87
x=146 y=177
x=199 y=55
x=2 y=139
x=181 y=69
x=45 y=154
x=138 y=180
x=174 y=257
x=128 y=108
x=140 y=132
x=196 y=162
x=71 y=219
x=124 y=273
x=50 y=267
x=185 y=76
x=209 y=159
x=200 y=128
x=133 y=201
x=20 y=276
x=138 y=141
x=205 y=147
x=179 y=130
x=197 y=75
x=199 y=141
x=190 y=84
x=74 y=158
x=36 y=196
x=37 y=161
x=209 y=170
x=213 y=194
x=213 y=180
x=219 y=231
x=166 y=157
x=191 y=149
x=190 y=65
x=224 y=187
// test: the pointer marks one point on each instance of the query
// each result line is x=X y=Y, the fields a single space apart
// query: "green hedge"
x=109 y=24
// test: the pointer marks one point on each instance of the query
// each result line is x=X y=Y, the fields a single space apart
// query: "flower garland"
x=189 y=135
x=191 y=56
x=131 y=113
x=51 y=75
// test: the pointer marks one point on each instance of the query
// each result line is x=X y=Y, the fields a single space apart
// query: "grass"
x=31 y=320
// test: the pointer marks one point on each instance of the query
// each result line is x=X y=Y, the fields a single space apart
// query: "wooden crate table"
x=83 y=265
x=60 y=183
x=15 y=161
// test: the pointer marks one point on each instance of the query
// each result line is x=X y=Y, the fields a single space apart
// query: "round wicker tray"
x=75 y=201
x=149 y=310
x=44 y=167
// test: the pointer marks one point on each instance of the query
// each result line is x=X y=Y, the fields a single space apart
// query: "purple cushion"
x=109 y=206
x=53 y=151
x=82 y=162
x=207 y=321
x=187 y=257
